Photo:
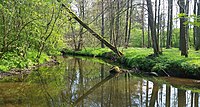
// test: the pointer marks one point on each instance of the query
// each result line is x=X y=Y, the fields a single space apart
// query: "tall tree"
x=183 y=45
x=151 y=23
x=126 y=23
x=112 y=19
x=195 y=27
x=159 y=23
x=143 y=13
x=102 y=23
x=130 y=22
x=169 y=24
x=197 y=37
x=117 y=24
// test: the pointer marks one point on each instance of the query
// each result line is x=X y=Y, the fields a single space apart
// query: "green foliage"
x=136 y=36
x=29 y=28
x=176 y=37
x=13 y=60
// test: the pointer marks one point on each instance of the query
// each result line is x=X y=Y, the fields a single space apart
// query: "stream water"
x=86 y=82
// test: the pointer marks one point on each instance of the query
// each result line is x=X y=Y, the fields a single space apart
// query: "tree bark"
x=143 y=43
x=102 y=23
x=169 y=24
x=111 y=12
x=195 y=27
x=158 y=25
x=117 y=24
x=130 y=20
x=149 y=37
x=73 y=15
x=153 y=28
x=183 y=29
x=197 y=37
x=126 y=25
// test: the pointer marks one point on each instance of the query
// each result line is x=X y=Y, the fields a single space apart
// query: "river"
x=86 y=82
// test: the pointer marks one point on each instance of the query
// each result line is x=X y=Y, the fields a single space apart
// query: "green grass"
x=170 y=61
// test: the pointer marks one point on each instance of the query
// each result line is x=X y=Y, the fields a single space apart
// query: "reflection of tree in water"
x=85 y=83
x=124 y=90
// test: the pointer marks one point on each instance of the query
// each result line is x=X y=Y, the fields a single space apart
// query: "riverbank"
x=170 y=63
x=14 y=64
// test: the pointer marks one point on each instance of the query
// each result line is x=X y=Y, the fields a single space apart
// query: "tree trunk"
x=126 y=25
x=169 y=24
x=143 y=44
x=149 y=36
x=111 y=22
x=99 y=37
x=183 y=29
x=130 y=20
x=197 y=37
x=153 y=28
x=102 y=24
x=195 y=27
x=117 y=24
x=158 y=25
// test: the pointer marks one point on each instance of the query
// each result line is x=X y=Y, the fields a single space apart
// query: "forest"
x=100 y=53
x=32 y=31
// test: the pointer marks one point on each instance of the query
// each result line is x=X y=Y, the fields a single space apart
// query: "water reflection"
x=77 y=82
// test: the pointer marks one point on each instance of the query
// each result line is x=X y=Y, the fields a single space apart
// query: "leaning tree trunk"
x=73 y=15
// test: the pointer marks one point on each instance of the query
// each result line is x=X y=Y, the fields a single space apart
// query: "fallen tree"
x=99 y=37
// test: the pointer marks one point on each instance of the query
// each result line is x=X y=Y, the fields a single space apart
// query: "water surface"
x=86 y=82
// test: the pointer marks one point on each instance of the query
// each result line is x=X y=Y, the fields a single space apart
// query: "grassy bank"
x=169 y=63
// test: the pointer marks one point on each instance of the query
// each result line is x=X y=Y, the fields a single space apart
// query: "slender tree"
x=112 y=19
x=197 y=37
x=153 y=28
x=126 y=23
x=143 y=13
x=130 y=22
x=183 y=28
x=117 y=24
x=169 y=24
x=102 y=24
x=159 y=23
x=195 y=27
